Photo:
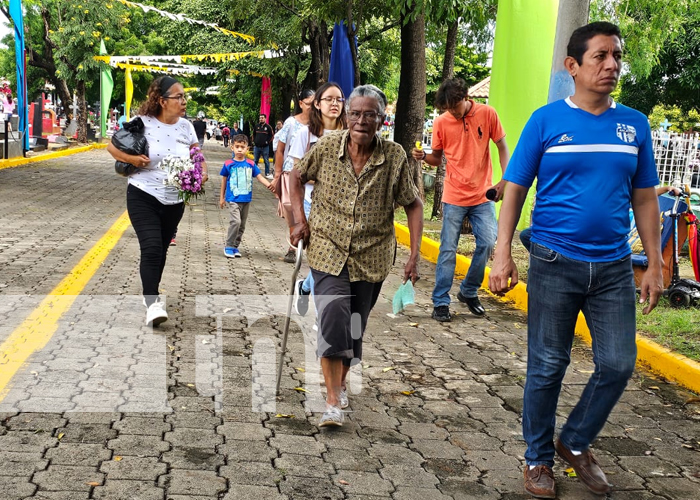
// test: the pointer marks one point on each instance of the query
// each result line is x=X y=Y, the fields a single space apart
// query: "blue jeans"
x=558 y=288
x=308 y=285
x=483 y=220
x=265 y=152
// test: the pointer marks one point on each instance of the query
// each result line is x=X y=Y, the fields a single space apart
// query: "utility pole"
x=572 y=14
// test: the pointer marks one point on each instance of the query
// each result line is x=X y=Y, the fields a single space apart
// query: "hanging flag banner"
x=181 y=18
x=17 y=16
x=129 y=90
x=221 y=57
x=170 y=69
x=266 y=98
x=106 y=87
x=342 y=69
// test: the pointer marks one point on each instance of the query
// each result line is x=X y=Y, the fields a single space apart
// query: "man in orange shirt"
x=462 y=133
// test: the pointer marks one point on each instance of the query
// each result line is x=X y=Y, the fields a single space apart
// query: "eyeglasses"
x=179 y=97
x=333 y=100
x=369 y=116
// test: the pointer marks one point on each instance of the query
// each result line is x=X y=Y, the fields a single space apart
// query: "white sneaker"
x=333 y=417
x=343 y=399
x=156 y=314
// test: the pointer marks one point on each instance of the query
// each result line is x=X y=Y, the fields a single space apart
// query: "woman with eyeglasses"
x=154 y=209
x=327 y=115
x=284 y=164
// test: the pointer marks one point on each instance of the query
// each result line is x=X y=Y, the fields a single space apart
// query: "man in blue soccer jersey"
x=592 y=158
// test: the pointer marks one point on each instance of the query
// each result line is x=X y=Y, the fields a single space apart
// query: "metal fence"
x=677 y=158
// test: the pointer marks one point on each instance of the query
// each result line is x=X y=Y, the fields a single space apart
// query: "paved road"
x=110 y=409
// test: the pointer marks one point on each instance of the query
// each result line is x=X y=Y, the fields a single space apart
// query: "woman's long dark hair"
x=315 y=117
x=151 y=106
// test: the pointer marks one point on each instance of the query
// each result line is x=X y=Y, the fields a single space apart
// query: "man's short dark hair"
x=450 y=93
x=578 y=43
x=240 y=138
x=263 y=114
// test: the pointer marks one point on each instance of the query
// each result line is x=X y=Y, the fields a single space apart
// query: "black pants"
x=343 y=308
x=155 y=224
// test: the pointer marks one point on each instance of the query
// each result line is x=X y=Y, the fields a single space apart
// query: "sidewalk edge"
x=49 y=156
x=650 y=355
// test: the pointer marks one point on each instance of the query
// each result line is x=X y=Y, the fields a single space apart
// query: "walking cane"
x=288 y=318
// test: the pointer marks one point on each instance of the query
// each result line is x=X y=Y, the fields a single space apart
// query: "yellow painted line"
x=652 y=356
x=16 y=162
x=38 y=328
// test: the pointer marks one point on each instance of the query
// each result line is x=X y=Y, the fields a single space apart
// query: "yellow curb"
x=650 y=355
x=49 y=156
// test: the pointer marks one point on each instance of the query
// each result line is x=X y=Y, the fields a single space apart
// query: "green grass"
x=676 y=329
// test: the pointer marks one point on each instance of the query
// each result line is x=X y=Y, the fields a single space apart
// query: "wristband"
x=425 y=155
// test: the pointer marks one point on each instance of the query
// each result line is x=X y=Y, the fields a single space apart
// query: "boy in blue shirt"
x=237 y=192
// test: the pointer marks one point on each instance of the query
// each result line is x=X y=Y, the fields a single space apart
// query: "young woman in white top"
x=154 y=209
x=327 y=116
x=284 y=164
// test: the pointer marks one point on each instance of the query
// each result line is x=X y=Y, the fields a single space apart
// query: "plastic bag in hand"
x=403 y=297
x=130 y=140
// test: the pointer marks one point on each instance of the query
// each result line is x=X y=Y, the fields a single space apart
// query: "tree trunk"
x=410 y=107
x=82 y=112
x=353 y=22
x=448 y=71
x=317 y=36
x=448 y=64
x=437 y=193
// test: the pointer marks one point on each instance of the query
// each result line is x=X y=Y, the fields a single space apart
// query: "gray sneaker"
x=343 y=399
x=333 y=417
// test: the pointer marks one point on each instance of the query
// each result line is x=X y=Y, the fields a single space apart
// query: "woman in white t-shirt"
x=327 y=115
x=283 y=164
x=154 y=208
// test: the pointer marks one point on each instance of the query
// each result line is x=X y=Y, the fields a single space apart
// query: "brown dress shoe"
x=539 y=482
x=586 y=467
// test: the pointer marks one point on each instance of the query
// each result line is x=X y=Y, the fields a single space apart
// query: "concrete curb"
x=650 y=355
x=49 y=156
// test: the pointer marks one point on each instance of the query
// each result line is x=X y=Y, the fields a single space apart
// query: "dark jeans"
x=154 y=224
x=558 y=288
x=263 y=151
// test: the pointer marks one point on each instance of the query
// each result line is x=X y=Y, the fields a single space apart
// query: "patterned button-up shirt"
x=352 y=216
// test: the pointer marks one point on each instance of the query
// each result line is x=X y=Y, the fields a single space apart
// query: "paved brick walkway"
x=110 y=409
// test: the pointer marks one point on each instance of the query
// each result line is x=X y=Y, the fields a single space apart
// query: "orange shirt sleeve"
x=496 y=129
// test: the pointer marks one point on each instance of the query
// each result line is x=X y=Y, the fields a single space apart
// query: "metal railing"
x=677 y=158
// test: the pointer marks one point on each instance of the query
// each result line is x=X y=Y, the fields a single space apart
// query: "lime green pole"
x=520 y=73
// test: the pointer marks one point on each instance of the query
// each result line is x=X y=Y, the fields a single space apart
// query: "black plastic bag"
x=130 y=140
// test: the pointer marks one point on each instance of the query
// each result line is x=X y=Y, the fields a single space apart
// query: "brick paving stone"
x=194 y=438
x=252 y=473
x=134 y=468
x=145 y=426
x=243 y=432
x=67 y=478
x=302 y=445
x=414 y=477
x=363 y=483
x=423 y=431
x=298 y=488
x=86 y=433
x=357 y=460
x=408 y=493
x=192 y=482
x=16 y=487
x=431 y=448
x=60 y=495
x=247 y=492
x=128 y=490
x=242 y=451
x=193 y=458
x=84 y=454
x=35 y=422
x=27 y=442
x=145 y=446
